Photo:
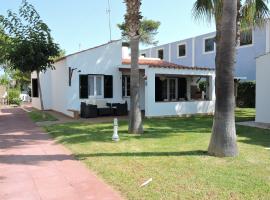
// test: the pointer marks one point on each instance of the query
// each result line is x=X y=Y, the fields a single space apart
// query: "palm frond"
x=203 y=10
x=254 y=13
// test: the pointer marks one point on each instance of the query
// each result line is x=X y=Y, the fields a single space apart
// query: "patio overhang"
x=127 y=70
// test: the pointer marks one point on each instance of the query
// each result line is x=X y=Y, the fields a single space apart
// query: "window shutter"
x=83 y=86
x=182 y=88
x=158 y=89
x=108 y=86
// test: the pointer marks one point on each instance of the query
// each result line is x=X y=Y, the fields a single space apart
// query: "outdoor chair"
x=88 y=110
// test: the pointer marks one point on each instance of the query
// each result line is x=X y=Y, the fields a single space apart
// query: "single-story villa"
x=103 y=73
x=262 y=90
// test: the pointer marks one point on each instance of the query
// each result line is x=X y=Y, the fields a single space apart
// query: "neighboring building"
x=103 y=72
x=200 y=51
x=262 y=89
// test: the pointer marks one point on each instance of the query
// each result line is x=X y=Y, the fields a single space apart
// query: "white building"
x=262 y=89
x=102 y=72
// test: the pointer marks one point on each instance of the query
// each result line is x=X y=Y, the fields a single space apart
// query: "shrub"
x=246 y=95
x=14 y=96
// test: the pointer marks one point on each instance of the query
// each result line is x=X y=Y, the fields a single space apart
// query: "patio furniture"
x=88 y=110
x=119 y=109
x=105 y=111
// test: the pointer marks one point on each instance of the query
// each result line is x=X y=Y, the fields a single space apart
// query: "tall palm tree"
x=133 y=19
x=230 y=16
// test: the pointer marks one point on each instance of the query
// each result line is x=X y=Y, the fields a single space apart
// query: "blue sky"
x=80 y=24
x=84 y=23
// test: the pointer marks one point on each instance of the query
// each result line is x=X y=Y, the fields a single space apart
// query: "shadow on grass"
x=158 y=128
x=254 y=136
x=73 y=133
x=142 y=154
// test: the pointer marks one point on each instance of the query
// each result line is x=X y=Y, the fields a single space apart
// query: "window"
x=95 y=83
x=181 y=50
x=35 y=88
x=125 y=85
x=160 y=54
x=246 y=37
x=96 y=86
x=170 y=88
x=91 y=85
x=209 y=45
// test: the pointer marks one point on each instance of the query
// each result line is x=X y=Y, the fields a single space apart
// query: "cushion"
x=101 y=103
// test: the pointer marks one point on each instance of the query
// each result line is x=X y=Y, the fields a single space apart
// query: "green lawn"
x=41 y=116
x=172 y=151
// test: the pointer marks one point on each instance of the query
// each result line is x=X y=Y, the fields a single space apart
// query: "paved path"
x=255 y=124
x=32 y=166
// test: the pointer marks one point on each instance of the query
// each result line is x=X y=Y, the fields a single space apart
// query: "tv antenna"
x=109 y=18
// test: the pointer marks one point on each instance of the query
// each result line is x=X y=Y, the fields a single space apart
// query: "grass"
x=172 y=151
x=41 y=116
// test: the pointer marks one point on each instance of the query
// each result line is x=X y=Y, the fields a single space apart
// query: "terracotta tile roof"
x=163 y=64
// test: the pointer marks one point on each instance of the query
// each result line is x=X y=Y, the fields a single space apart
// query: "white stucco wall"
x=46 y=88
x=104 y=60
x=262 y=89
x=153 y=108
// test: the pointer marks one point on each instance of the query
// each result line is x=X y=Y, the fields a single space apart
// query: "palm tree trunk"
x=132 y=20
x=135 y=116
x=223 y=139
x=40 y=92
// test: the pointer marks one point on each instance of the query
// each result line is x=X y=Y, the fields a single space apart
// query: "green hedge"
x=246 y=95
x=14 y=96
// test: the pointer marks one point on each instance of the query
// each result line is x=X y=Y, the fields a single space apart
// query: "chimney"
x=125 y=50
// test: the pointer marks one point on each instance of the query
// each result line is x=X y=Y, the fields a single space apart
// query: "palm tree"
x=230 y=16
x=133 y=19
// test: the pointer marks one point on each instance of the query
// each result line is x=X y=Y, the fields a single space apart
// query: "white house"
x=103 y=72
x=262 y=89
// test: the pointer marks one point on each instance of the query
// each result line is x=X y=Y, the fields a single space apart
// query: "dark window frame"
x=125 y=86
x=248 y=38
x=159 y=55
x=213 y=49
x=185 y=50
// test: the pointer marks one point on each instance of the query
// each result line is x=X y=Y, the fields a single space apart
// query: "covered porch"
x=167 y=89
x=175 y=91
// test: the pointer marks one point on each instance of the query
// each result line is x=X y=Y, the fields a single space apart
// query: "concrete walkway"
x=32 y=166
x=254 y=124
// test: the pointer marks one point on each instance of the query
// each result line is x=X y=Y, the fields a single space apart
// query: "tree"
x=133 y=20
x=228 y=20
x=31 y=47
x=22 y=79
x=148 y=31
x=3 y=44
x=4 y=80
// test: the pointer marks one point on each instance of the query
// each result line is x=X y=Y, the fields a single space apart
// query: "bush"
x=14 y=96
x=246 y=95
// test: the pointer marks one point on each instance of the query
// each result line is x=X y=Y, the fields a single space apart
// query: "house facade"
x=262 y=89
x=201 y=50
x=103 y=72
